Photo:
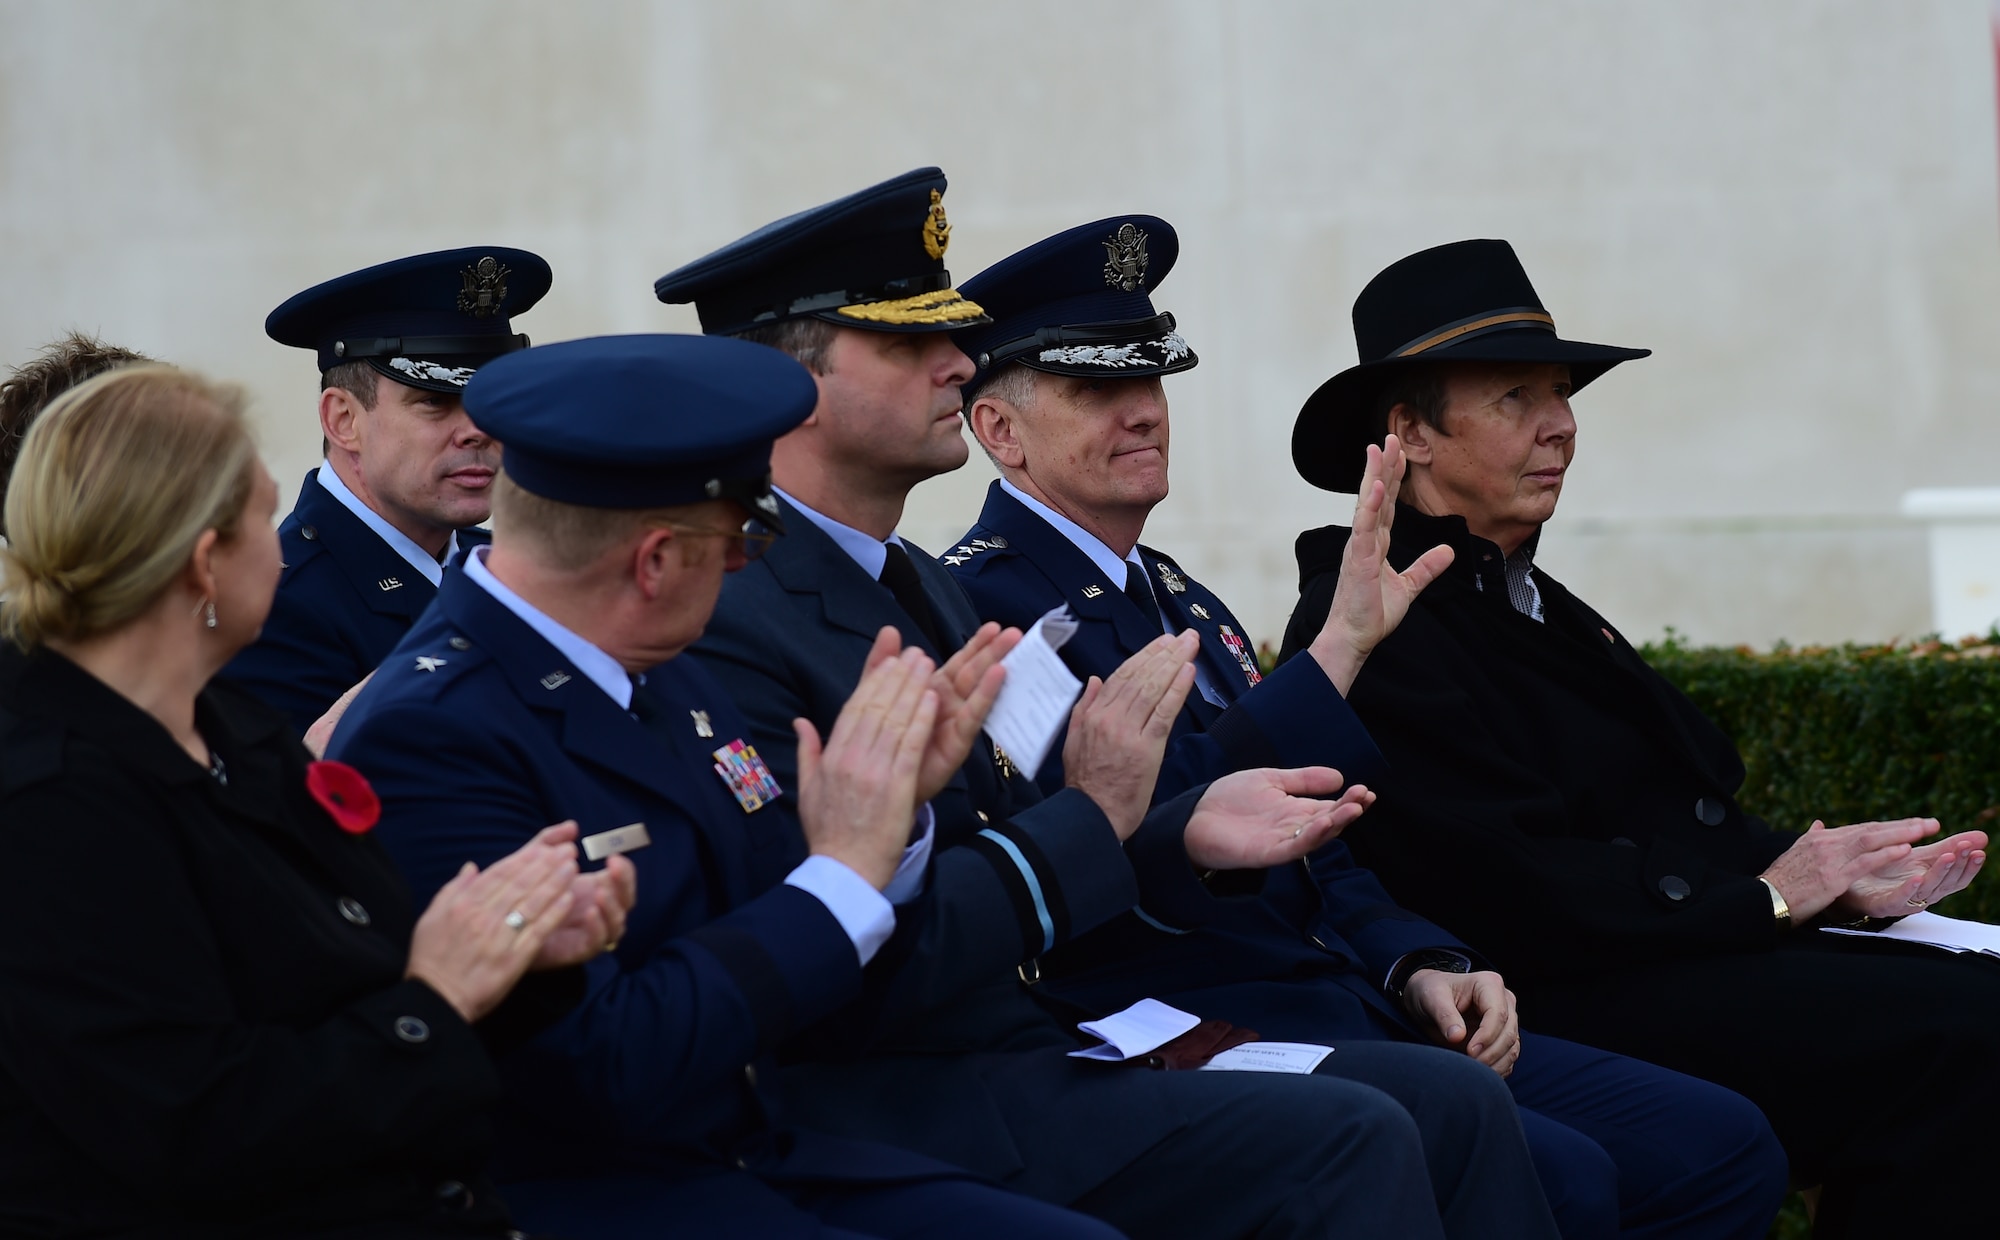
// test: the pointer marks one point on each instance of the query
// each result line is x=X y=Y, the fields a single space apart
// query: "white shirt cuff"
x=862 y=911
x=908 y=883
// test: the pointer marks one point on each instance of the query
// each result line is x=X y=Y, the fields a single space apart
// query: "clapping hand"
x=1372 y=598
x=967 y=686
x=1118 y=729
x=484 y=928
x=1252 y=820
x=1920 y=879
x=858 y=792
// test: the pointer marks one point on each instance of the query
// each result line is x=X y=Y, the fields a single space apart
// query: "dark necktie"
x=1140 y=591
x=900 y=576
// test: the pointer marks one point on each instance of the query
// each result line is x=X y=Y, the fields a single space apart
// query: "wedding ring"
x=516 y=919
x=1918 y=903
x=1297 y=832
x=611 y=945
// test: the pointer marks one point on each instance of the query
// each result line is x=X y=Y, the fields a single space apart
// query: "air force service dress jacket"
x=788 y=639
x=477 y=733
x=207 y=1030
x=1327 y=917
x=345 y=598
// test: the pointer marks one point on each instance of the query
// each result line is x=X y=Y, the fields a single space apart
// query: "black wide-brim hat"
x=1469 y=301
x=428 y=321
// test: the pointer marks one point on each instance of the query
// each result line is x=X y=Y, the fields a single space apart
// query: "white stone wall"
x=1792 y=202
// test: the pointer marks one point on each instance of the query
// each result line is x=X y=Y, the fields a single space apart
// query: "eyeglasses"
x=753 y=540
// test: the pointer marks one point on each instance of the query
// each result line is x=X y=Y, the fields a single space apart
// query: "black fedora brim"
x=1331 y=436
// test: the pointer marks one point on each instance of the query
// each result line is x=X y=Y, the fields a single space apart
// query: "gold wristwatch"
x=1781 y=912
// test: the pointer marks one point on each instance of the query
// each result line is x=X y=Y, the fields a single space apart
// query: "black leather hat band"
x=1077 y=333
x=428 y=346
x=1477 y=325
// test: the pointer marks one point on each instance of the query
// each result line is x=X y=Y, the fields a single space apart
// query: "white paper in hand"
x=1035 y=698
x=1144 y=1027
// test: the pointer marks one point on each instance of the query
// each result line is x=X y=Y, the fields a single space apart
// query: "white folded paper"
x=1144 y=1027
x=1035 y=698
x=1294 y=1057
x=1934 y=930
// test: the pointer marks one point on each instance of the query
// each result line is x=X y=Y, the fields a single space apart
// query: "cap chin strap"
x=1074 y=334
x=431 y=346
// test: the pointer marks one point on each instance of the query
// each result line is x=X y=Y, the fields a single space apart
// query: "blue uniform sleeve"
x=1295 y=717
x=669 y=1015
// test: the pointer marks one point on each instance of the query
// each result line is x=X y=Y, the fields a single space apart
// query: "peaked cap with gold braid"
x=1469 y=301
x=874 y=260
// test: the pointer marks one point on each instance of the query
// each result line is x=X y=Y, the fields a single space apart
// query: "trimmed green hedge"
x=1853 y=733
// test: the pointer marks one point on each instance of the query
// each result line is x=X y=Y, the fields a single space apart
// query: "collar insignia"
x=1092 y=591
x=485 y=287
x=1125 y=259
x=1170 y=579
x=937 y=231
x=1198 y=610
x=428 y=663
x=390 y=583
x=702 y=727
x=556 y=679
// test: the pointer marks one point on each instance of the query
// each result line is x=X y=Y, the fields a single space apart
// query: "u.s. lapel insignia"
x=1125 y=258
x=749 y=780
x=702 y=727
x=429 y=663
x=555 y=680
x=389 y=583
x=1005 y=763
x=1240 y=649
x=485 y=287
x=1199 y=611
x=937 y=230
x=1169 y=578
x=1093 y=591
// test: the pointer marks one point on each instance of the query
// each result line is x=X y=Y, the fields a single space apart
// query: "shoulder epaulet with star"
x=971 y=549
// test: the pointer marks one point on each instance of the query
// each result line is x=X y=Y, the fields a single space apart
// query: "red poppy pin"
x=344 y=794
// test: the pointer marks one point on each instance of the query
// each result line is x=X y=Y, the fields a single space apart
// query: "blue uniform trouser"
x=734 y=1205
x=1626 y=1148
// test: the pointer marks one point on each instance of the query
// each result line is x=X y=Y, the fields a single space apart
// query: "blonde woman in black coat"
x=221 y=1017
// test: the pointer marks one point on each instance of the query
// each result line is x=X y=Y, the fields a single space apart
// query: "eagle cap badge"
x=484 y=287
x=1125 y=258
x=937 y=230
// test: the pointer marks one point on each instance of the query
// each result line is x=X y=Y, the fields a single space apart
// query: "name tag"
x=617 y=840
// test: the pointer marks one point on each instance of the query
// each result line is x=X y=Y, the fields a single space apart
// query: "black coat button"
x=1674 y=887
x=1710 y=811
x=1622 y=842
x=351 y=909
x=750 y=1075
x=412 y=1029
x=309 y=532
x=451 y=1195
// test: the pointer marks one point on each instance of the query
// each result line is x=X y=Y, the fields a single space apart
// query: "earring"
x=210 y=620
